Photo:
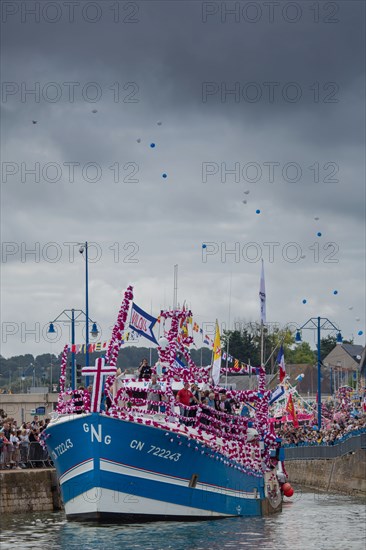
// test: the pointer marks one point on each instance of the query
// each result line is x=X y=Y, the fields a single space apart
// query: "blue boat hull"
x=110 y=469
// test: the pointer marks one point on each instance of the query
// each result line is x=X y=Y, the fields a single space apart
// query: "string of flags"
x=234 y=366
x=128 y=336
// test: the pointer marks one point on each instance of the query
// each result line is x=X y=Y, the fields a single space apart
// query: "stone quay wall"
x=345 y=474
x=34 y=490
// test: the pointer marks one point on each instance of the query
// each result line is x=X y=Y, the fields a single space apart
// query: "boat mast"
x=262 y=299
x=228 y=328
x=175 y=294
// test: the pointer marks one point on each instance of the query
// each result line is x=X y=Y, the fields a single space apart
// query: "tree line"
x=20 y=372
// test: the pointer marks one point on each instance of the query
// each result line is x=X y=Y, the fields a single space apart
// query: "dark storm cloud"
x=164 y=60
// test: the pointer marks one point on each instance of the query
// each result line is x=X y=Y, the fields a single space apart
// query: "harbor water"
x=310 y=520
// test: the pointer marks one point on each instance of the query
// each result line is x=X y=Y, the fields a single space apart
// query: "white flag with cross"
x=99 y=370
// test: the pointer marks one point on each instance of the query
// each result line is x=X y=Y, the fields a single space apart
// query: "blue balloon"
x=165 y=175
x=257 y=211
x=335 y=291
x=152 y=145
x=304 y=301
x=319 y=234
x=360 y=333
x=204 y=246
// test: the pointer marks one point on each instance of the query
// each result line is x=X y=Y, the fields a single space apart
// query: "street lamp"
x=319 y=323
x=73 y=316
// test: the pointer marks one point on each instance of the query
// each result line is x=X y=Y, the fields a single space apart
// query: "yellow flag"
x=216 y=365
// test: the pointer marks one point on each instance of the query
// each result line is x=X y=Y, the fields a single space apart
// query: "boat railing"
x=73 y=402
x=200 y=416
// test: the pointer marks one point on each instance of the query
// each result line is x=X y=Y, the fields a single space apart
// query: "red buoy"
x=289 y=492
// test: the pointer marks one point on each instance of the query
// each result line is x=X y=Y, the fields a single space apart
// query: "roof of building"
x=353 y=350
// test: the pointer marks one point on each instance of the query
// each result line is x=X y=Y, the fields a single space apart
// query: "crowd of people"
x=19 y=445
x=187 y=398
x=332 y=431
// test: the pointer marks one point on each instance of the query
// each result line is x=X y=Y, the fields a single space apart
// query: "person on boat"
x=195 y=399
x=153 y=394
x=78 y=400
x=144 y=370
x=205 y=412
x=184 y=397
x=211 y=400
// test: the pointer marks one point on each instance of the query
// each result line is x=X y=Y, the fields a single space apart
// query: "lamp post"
x=73 y=316
x=84 y=248
x=319 y=323
x=24 y=372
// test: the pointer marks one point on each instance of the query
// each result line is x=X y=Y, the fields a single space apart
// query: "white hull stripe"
x=77 y=470
x=122 y=469
x=105 y=500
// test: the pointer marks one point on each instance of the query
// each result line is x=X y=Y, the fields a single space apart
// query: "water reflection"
x=312 y=521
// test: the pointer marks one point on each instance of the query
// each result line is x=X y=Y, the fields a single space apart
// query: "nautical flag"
x=244 y=367
x=178 y=363
x=276 y=394
x=290 y=408
x=196 y=327
x=216 y=364
x=236 y=366
x=281 y=363
x=262 y=296
x=206 y=340
x=142 y=323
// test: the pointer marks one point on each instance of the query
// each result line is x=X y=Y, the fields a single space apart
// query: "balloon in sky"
x=350 y=308
x=360 y=333
x=165 y=175
x=152 y=145
x=94 y=111
x=357 y=319
x=257 y=211
x=138 y=140
x=246 y=192
x=244 y=202
x=316 y=218
x=159 y=123
x=318 y=234
x=204 y=246
x=335 y=291
x=304 y=301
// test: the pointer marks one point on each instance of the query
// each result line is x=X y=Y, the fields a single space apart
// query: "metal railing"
x=37 y=455
x=315 y=452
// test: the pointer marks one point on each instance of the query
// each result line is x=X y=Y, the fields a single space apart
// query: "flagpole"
x=150 y=341
x=228 y=328
x=262 y=300
x=262 y=344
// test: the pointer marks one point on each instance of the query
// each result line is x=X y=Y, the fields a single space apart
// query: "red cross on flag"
x=99 y=370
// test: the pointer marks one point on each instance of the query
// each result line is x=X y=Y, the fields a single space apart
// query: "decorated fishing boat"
x=148 y=456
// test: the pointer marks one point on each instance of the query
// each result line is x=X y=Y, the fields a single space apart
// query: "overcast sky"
x=263 y=105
